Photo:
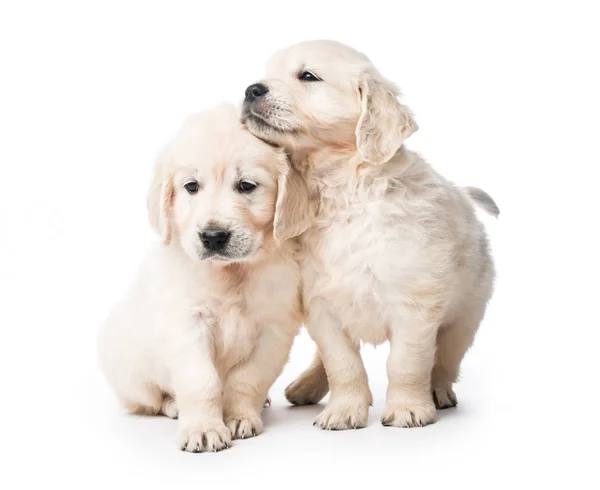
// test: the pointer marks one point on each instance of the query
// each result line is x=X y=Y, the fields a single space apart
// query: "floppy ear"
x=159 y=202
x=384 y=123
x=293 y=209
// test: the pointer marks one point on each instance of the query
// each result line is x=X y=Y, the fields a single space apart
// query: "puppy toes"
x=343 y=415
x=444 y=398
x=205 y=437
x=306 y=391
x=244 y=428
x=414 y=414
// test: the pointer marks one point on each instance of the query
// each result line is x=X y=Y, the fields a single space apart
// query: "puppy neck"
x=335 y=167
x=336 y=179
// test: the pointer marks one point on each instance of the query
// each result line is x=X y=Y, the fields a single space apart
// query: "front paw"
x=344 y=413
x=244 y=427
x=203 y=437
x=409 y=414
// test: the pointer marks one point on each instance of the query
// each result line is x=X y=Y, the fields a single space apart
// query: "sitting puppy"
x=396 y=251
x=209 y=325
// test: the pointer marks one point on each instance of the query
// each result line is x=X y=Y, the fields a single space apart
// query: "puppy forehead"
x=316 y=54
x=220 y=145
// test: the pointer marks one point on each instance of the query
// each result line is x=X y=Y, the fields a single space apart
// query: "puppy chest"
x=270 y=304
x=237 y=333
x=362 y=271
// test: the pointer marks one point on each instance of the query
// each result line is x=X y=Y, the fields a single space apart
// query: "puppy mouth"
x=249 y=115
x=255 y=118
x=220 y=256
x=237 y=252
x=210 y=255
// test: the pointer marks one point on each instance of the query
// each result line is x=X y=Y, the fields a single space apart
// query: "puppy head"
x=325 y=93
x=222 y=194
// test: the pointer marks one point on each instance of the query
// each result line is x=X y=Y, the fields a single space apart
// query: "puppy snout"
x=215 y=239
x=256 y=91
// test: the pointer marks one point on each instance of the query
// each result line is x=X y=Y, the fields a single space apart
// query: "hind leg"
x=169 y=407
x=143 y=399
x=311 y=386
x=154 y=404
x=453 y=341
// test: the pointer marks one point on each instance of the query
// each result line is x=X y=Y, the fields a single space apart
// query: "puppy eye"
x=245 y=186
x=192 y=187
x=307 y=76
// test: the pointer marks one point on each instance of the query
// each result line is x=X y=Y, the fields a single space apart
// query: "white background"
x=507 y=98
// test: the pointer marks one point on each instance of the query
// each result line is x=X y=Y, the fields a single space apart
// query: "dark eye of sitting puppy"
x=307 y=76
x=245 y=186
x=192 y=187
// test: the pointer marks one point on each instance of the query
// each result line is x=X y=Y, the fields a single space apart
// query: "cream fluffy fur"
x=204 y=339
x=395 y=251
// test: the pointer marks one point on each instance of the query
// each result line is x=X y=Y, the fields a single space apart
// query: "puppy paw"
x=409 y=414
x=342 y=414
x=444 y=398
x=169 y=408
x=306 y=391
x=244 y=428
x=198 y=438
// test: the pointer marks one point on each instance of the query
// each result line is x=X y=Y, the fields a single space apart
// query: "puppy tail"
x=483 y=199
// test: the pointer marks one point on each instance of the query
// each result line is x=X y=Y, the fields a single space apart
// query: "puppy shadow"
x=277 y=415
x=150 y=435
x=456 y=416
x=451 y=412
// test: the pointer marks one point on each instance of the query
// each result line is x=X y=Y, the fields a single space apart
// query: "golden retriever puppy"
x=395 y=251
x=209 y=324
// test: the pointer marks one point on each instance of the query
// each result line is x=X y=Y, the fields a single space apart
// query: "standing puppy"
x=395 y=252
x=209 y=324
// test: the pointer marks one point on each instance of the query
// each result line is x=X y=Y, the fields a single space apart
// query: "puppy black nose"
x=215 y=239
x=255 y=91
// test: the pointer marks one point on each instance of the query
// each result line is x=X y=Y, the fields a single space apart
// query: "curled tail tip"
x=484 y=200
